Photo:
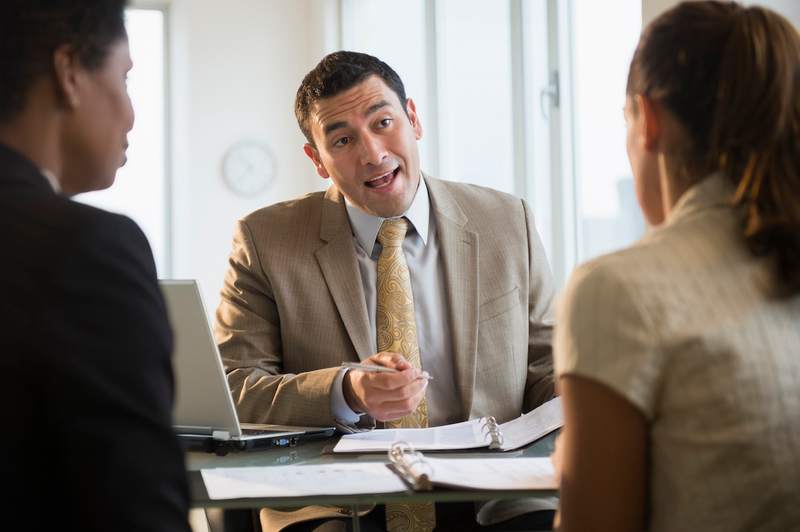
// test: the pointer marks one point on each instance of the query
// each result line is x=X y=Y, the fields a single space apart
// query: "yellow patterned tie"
x=397 y=332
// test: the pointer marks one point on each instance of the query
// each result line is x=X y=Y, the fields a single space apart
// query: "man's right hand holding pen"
x=385 y=395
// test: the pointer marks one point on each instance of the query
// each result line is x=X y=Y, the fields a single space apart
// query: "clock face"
x=248 y=168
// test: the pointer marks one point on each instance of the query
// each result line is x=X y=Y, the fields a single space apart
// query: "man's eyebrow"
x=332 y=127
x=342 y=124
x=374 y=107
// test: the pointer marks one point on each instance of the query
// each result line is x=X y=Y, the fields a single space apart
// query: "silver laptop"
x=205 y=416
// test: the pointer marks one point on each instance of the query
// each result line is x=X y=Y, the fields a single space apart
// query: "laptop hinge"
x=221 y=435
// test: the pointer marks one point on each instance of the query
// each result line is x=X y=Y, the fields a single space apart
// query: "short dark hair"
x=31 y=31
x=336 y=73
x=731 y=76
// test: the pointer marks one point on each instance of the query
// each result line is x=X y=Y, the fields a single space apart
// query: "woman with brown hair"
x=679 y=358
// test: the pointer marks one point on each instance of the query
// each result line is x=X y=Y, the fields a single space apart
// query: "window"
x=607 y=212
x=524 y=96
x=475 y=100
x=407 y=55
x=141 y=188
x=461 y=83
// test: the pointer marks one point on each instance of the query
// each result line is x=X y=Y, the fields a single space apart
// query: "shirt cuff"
x=339 y=408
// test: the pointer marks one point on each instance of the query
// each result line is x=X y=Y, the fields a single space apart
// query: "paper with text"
x=529 y=427
x=301 y=480
x=465 y=435
x=473 y=434
x=491 y=473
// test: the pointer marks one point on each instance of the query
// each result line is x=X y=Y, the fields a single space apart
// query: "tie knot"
x=393 y=232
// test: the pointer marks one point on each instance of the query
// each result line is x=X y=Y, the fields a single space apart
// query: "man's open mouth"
x=383 y=180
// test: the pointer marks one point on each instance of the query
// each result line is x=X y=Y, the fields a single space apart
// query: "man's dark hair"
x=31 y=30
x=338 y=72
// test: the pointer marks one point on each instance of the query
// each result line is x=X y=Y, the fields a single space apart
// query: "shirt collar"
x=366 y=226
x=52 y=179
x=712 y=191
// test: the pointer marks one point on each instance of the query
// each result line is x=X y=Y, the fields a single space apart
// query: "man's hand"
x=385 y=396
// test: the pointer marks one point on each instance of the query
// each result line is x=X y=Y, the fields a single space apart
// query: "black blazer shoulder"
x=85 y=372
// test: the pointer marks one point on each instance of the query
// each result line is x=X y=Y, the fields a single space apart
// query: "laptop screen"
x=203 y=400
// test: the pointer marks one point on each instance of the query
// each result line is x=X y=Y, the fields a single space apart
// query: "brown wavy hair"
x=731 y=75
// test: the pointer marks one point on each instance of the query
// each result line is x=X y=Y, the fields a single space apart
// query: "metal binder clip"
x=405 y=460
x=491 y=430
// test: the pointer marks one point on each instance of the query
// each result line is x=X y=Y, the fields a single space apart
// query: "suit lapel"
x=459 y=253
x=337 y=260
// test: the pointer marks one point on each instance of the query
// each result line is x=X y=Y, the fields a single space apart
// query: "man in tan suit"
x=300 y=295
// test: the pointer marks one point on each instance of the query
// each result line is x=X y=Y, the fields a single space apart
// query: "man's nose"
x=372 y=150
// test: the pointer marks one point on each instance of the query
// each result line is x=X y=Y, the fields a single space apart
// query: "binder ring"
x=404 y=458
x=491 y=431
x=398 y=451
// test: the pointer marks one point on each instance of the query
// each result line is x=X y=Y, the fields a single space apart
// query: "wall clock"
x=248 y=168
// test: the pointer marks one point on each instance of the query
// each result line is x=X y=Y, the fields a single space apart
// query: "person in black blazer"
x=86 y=384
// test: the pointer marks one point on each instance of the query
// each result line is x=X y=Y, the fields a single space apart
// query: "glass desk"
x=318 y=452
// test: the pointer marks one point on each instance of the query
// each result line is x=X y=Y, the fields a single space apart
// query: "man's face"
x=98 y=125
x=367 y=145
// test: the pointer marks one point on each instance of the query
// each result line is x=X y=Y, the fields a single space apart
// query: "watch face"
x=248 y=168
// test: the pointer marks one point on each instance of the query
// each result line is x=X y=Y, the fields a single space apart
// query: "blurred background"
x=524 y=96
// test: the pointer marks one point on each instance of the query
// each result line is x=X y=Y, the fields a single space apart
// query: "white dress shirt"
x=430 y=304
x=52 y=179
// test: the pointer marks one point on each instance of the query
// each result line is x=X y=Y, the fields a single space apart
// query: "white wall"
x=788 y=8
x=235 y=69
x=652 y=8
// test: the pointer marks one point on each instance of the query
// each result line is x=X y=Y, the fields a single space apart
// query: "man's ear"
x=413 y=117
x=651 y=121
x=67 y=71
x=313 y=154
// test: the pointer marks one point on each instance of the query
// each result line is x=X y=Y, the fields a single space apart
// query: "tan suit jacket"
x=293 y=309
x=293 y=306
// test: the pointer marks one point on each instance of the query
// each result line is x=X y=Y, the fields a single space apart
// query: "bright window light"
x=140 y=190
x=608 y=215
